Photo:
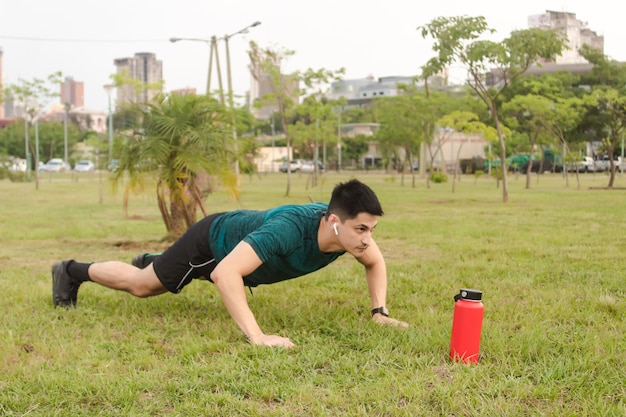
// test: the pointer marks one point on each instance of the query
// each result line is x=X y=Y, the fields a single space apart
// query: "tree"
x=605 y=71
x=606 y=105
x=267 y=62
x=609 y=107
x=182 y=140
x=467 y=123
x=457 y=40
x=285 y=88
x=558 y=108
x=316 y=126
x=524 y=114
x=432 y=108
x=399 y=119
x=50 y=135
x=139 y=88
x=353 y=148
x=559 y=119
x=34 y=96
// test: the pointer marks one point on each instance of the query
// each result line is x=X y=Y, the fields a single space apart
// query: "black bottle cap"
x=469 y=294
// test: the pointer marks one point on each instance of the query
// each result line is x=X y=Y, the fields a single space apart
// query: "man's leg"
x=144 y=259
x=178 y=265
x=67 y=276
x=122 y=276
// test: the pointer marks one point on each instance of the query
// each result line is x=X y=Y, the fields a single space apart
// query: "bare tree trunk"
x=177 y=220
x=505 y=187
x=529 y=169
x=611 y=161
x=283 y=121
x=165 y=215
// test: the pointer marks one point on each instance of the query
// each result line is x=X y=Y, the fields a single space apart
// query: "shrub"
x=478 y=174
x=438 y=177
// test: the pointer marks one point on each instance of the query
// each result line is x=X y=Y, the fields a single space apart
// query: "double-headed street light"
x=213 y=53
x=213 y=45
x=226 y=38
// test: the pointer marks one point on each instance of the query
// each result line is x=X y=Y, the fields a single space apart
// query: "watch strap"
x=381 y=310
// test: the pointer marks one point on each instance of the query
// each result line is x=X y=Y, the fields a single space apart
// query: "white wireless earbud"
x=335 y=227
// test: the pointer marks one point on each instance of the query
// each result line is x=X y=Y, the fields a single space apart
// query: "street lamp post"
x=66 y=107
x=214 y=52
x=109 y=90
x=36 y=123
x=230 y=90
x=26 y=139
x=339 y=140
x=99 y=175
x=226 y=38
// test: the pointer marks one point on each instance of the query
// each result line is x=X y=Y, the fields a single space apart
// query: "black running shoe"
x=64 y=287
x=142 y=260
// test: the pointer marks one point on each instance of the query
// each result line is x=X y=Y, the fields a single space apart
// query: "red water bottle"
x=467 y=325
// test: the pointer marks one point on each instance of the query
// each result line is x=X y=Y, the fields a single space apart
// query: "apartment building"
x=576 y=31
x=261 y=84
x=144 y=68
x=72 y=93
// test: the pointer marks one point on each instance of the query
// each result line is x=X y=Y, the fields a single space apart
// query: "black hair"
x=351 y=198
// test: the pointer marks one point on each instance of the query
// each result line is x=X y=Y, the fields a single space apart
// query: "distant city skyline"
x=364 y=37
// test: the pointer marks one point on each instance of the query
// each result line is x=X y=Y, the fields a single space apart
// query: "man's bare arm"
x=376 y=274
x=228 y=278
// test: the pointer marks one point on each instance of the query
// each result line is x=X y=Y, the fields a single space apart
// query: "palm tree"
x=183 y=142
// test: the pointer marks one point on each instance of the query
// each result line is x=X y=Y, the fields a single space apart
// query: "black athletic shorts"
x=188 y=258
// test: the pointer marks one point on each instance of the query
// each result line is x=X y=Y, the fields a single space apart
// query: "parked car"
x=604 y=163
x=293 y=166
x=588 y=164
x=114 y=165
x=84 y=165
x=56 y=165
x=309 y=166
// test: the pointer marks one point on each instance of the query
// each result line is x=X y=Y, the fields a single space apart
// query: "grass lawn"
x=550 y=263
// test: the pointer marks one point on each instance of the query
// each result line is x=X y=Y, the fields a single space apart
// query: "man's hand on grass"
x=271 y=340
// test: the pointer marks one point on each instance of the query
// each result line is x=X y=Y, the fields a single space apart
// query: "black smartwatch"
x=381 y=310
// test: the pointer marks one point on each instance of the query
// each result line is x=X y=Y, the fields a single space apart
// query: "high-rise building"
x=72 y=93
x=144 y=68
x=576 y=31
x=262 y=84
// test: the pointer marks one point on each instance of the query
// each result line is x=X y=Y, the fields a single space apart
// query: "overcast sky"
x=82 y=38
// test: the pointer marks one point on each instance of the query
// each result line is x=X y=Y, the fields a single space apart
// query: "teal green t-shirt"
x=284 y=238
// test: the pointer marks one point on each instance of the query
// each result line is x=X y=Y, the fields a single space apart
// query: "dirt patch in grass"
x=146 y=246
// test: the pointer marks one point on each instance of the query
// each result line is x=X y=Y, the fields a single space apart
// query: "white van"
x=604 y=164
